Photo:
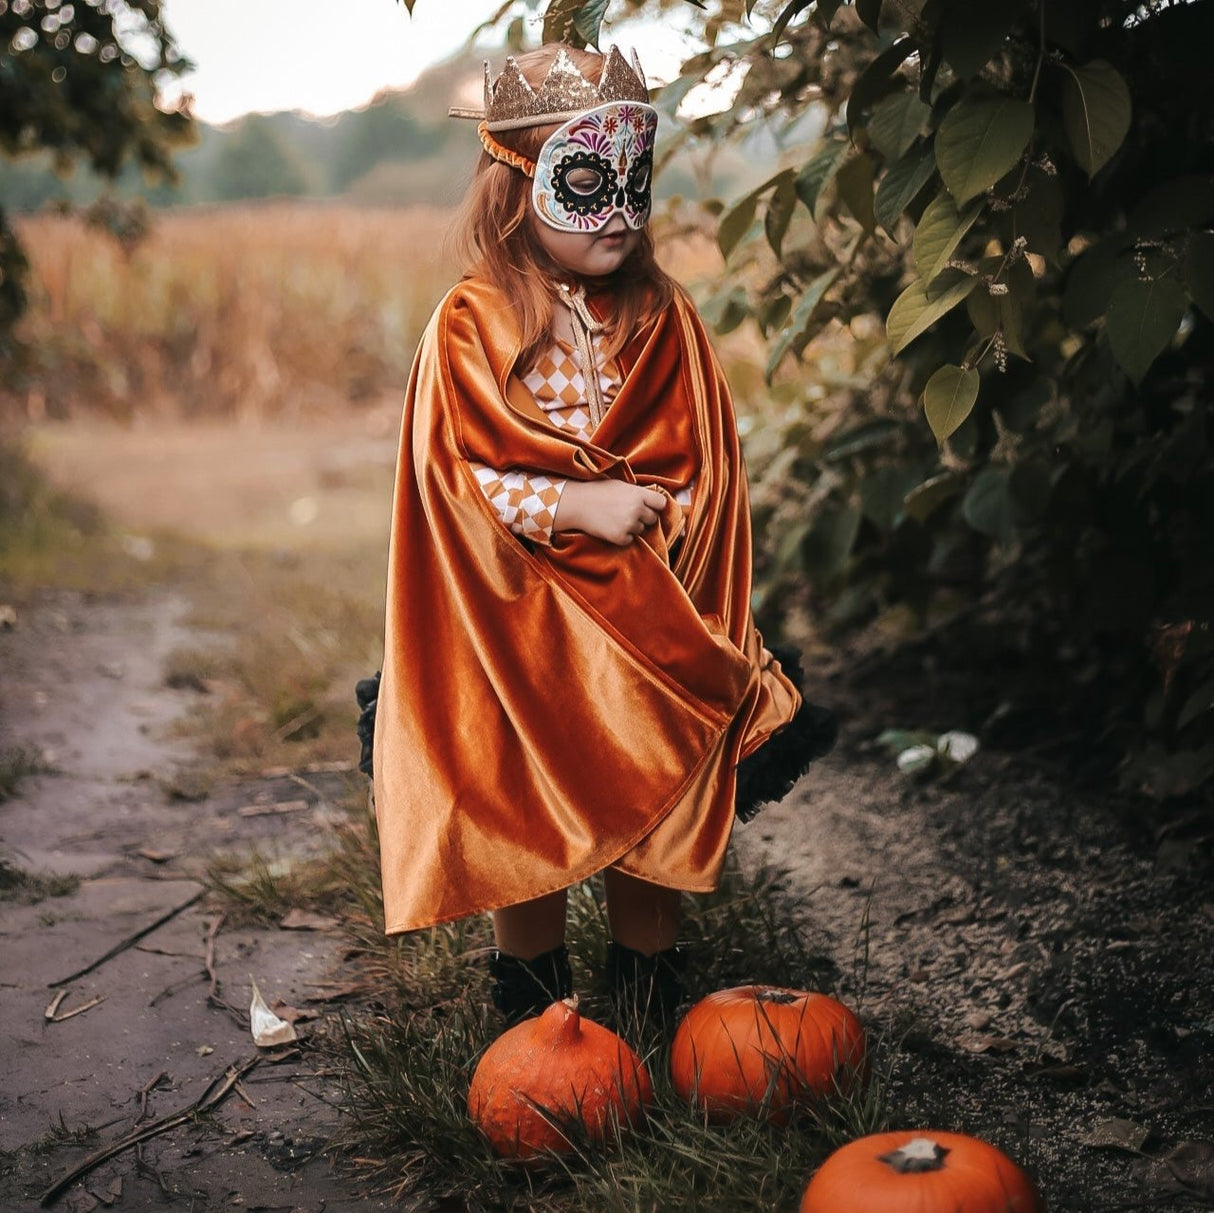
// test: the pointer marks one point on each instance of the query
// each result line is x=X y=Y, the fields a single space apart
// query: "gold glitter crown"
x=511 y=103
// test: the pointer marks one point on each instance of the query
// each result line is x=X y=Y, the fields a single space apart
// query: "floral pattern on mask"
x=597 y=165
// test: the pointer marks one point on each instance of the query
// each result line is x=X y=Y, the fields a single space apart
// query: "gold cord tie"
x=585 y=326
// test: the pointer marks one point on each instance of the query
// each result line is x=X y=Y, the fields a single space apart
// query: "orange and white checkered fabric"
x=527 y=502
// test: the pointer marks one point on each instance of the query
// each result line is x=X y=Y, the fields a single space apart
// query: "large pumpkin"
x=754 y=1049
x=554 y=1076
x=923 y=1172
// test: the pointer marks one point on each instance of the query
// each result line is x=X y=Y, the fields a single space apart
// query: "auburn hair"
x=494 y=236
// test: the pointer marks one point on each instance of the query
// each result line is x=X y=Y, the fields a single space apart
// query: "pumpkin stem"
x=780 y=997
x=919 y=1154
x=563 y=1019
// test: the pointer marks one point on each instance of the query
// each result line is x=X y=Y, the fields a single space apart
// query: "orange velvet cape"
x=546 y=712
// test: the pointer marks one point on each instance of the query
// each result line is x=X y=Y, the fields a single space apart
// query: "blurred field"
x=287 y=310
x=283 y=310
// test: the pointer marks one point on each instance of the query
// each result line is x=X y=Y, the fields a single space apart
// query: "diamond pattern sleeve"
x=525 y=502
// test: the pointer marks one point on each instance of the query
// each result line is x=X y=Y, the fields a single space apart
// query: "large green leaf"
x=736 y=221
x=1036 y=214
x=895 y=123
x=854 y=181
x=902 y=184
x=941 y=229
x=726 y=310
x=789 y=11
x=818 y=171
x=914 y=313
x=1096 y=110
x=988 y=506
x=588 y=19
x=875 y=81
x=869 y=11
x=883 y=494
x=972 y=33
x=981 y=139
x=1143 y=318
x=1092 y=281
x=832 y=535
x=779 y=213
x=858 y=439
x=1199 y=272
x=949 y=398
x=925 y=499
x=796 y=335
x=1004 y=312
x=561 y=22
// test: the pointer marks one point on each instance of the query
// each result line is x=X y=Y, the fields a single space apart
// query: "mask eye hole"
x=584 y=180
x=640 y=178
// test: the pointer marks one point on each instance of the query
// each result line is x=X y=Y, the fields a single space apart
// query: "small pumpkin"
x=927 y=1172
x=758 y=1050
x=555 y=1073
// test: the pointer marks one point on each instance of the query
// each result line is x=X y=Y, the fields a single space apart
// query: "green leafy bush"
x=1022 y=194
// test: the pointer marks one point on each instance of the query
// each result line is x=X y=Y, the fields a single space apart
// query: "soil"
x=1035 y=957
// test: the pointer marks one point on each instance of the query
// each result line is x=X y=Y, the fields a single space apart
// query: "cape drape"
x=546 y=712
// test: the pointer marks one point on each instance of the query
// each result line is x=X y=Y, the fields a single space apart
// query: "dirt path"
x=83 y=683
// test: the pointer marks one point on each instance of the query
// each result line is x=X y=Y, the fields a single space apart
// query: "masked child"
x=571 y=672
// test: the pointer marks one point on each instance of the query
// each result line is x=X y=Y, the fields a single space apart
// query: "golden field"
x=284 y=310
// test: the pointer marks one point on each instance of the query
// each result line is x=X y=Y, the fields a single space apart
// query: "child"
x=571 y=672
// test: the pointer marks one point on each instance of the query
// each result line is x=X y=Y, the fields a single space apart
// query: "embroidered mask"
x=597 y=165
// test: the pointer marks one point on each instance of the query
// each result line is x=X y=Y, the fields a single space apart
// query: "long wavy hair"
x=494 y=237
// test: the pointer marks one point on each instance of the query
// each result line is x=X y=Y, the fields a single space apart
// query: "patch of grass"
x=16 y=764
x=343 y=879
x=407 y=1065
x=297 y=636
x=50 y=539
x=29 y=888
x=406 y=1061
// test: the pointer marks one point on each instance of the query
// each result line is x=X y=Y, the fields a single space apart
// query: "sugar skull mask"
x=597 y=165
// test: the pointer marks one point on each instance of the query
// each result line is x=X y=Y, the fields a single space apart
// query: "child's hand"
x=612 y=510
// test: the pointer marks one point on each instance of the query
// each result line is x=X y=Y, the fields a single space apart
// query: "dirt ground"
x=1036 y=958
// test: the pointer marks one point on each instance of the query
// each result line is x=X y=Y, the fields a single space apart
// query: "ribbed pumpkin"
x=556 y=1071
x=755 y=1050
x=920 y=1172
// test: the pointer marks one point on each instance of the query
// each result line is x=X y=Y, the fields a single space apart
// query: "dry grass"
x=277 y=310
x=285 y=310
x=408 y=1055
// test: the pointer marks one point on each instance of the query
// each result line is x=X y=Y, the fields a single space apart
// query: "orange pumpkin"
x=552 y=1075
x=923 y=1171
x=757 y=1050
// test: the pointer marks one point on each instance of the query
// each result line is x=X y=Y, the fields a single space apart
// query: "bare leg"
x=531 y=928
x=642 y=916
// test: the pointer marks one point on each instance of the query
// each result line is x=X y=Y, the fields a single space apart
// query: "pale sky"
x=323 y=56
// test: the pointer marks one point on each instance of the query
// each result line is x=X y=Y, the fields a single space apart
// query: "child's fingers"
x=654 y=499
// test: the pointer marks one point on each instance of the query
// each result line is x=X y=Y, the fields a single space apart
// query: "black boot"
x=646 y=990
x=522 y=988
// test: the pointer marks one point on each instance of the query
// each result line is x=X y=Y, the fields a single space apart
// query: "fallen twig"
x=219 y=1089
x=273 y=809
x=52 y=1014
x=209 y=958
x=129 y=942
x=146 y=1090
